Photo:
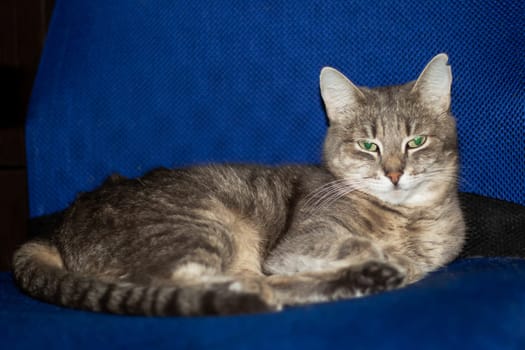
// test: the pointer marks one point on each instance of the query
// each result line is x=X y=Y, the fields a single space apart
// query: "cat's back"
x=182 y=185
x=126 y=212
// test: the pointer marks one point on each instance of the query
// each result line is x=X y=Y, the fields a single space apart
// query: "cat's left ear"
x=433 y=85
x=339 y=94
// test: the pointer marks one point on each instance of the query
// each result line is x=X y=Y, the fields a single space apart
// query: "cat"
x=379 y=213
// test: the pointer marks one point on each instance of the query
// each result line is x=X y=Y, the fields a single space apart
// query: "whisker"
x=444 y=173
x=329 y=193
x=326 y=187
x=448 y=176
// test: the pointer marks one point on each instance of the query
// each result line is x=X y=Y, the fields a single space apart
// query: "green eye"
x=417 y=142
x=368 y=146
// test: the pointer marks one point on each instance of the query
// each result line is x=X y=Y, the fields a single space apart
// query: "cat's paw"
x=367 y=278
x=376 y=276
x=244 y=297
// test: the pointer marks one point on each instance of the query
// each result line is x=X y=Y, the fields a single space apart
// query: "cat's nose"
x=394 y=176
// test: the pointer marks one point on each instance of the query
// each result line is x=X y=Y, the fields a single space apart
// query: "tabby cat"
x=381 y=212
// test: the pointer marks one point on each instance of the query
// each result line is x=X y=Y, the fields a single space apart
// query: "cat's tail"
x=40 y=272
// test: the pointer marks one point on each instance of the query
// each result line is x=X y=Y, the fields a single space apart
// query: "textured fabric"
x=472 y=304
x=494 y=227
x=125 y=86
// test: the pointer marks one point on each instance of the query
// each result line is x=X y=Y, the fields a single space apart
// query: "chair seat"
x=475 y=303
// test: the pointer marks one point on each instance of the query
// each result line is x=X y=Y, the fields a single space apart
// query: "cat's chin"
x=409 y=192
x=395 y=196
x=408 y=197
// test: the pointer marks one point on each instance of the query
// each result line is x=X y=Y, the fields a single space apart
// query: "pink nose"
x=394 y=176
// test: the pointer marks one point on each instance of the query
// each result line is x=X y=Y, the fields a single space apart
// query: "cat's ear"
x=339 y=94
x=433 y=85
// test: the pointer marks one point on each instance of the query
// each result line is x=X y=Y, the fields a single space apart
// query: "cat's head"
x=396 y=143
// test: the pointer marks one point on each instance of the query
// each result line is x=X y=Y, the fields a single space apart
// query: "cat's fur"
x=225 y=239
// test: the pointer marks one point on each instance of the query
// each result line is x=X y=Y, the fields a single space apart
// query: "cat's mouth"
x=397 y=189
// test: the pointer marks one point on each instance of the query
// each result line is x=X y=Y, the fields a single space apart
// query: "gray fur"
x=228 y=239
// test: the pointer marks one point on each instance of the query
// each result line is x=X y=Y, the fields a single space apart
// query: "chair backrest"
x=124 y=86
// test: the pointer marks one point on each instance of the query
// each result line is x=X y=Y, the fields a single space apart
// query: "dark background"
x=23 y=26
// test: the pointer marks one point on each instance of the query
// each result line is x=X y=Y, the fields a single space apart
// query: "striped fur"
x=229 y=239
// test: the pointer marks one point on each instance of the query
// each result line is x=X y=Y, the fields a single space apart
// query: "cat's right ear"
x=433 y=85
x=339 y=94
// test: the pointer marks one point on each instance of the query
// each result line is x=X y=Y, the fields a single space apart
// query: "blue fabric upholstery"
x=472 y=304
x=125 y=86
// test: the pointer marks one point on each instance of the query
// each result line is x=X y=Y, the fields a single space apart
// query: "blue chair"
x=126 y=86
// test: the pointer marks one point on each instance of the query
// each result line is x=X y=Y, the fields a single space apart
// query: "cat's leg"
x=226 y=295
x=354 y=280
x=360 y=249
x=330 y=269
x=217 y=291
x=413 y=271
x=213 y=256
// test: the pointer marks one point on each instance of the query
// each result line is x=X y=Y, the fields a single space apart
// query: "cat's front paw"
x=366 y=278
x=376 y=276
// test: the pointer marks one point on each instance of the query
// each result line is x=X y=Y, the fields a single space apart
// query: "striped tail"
x=39 y=272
